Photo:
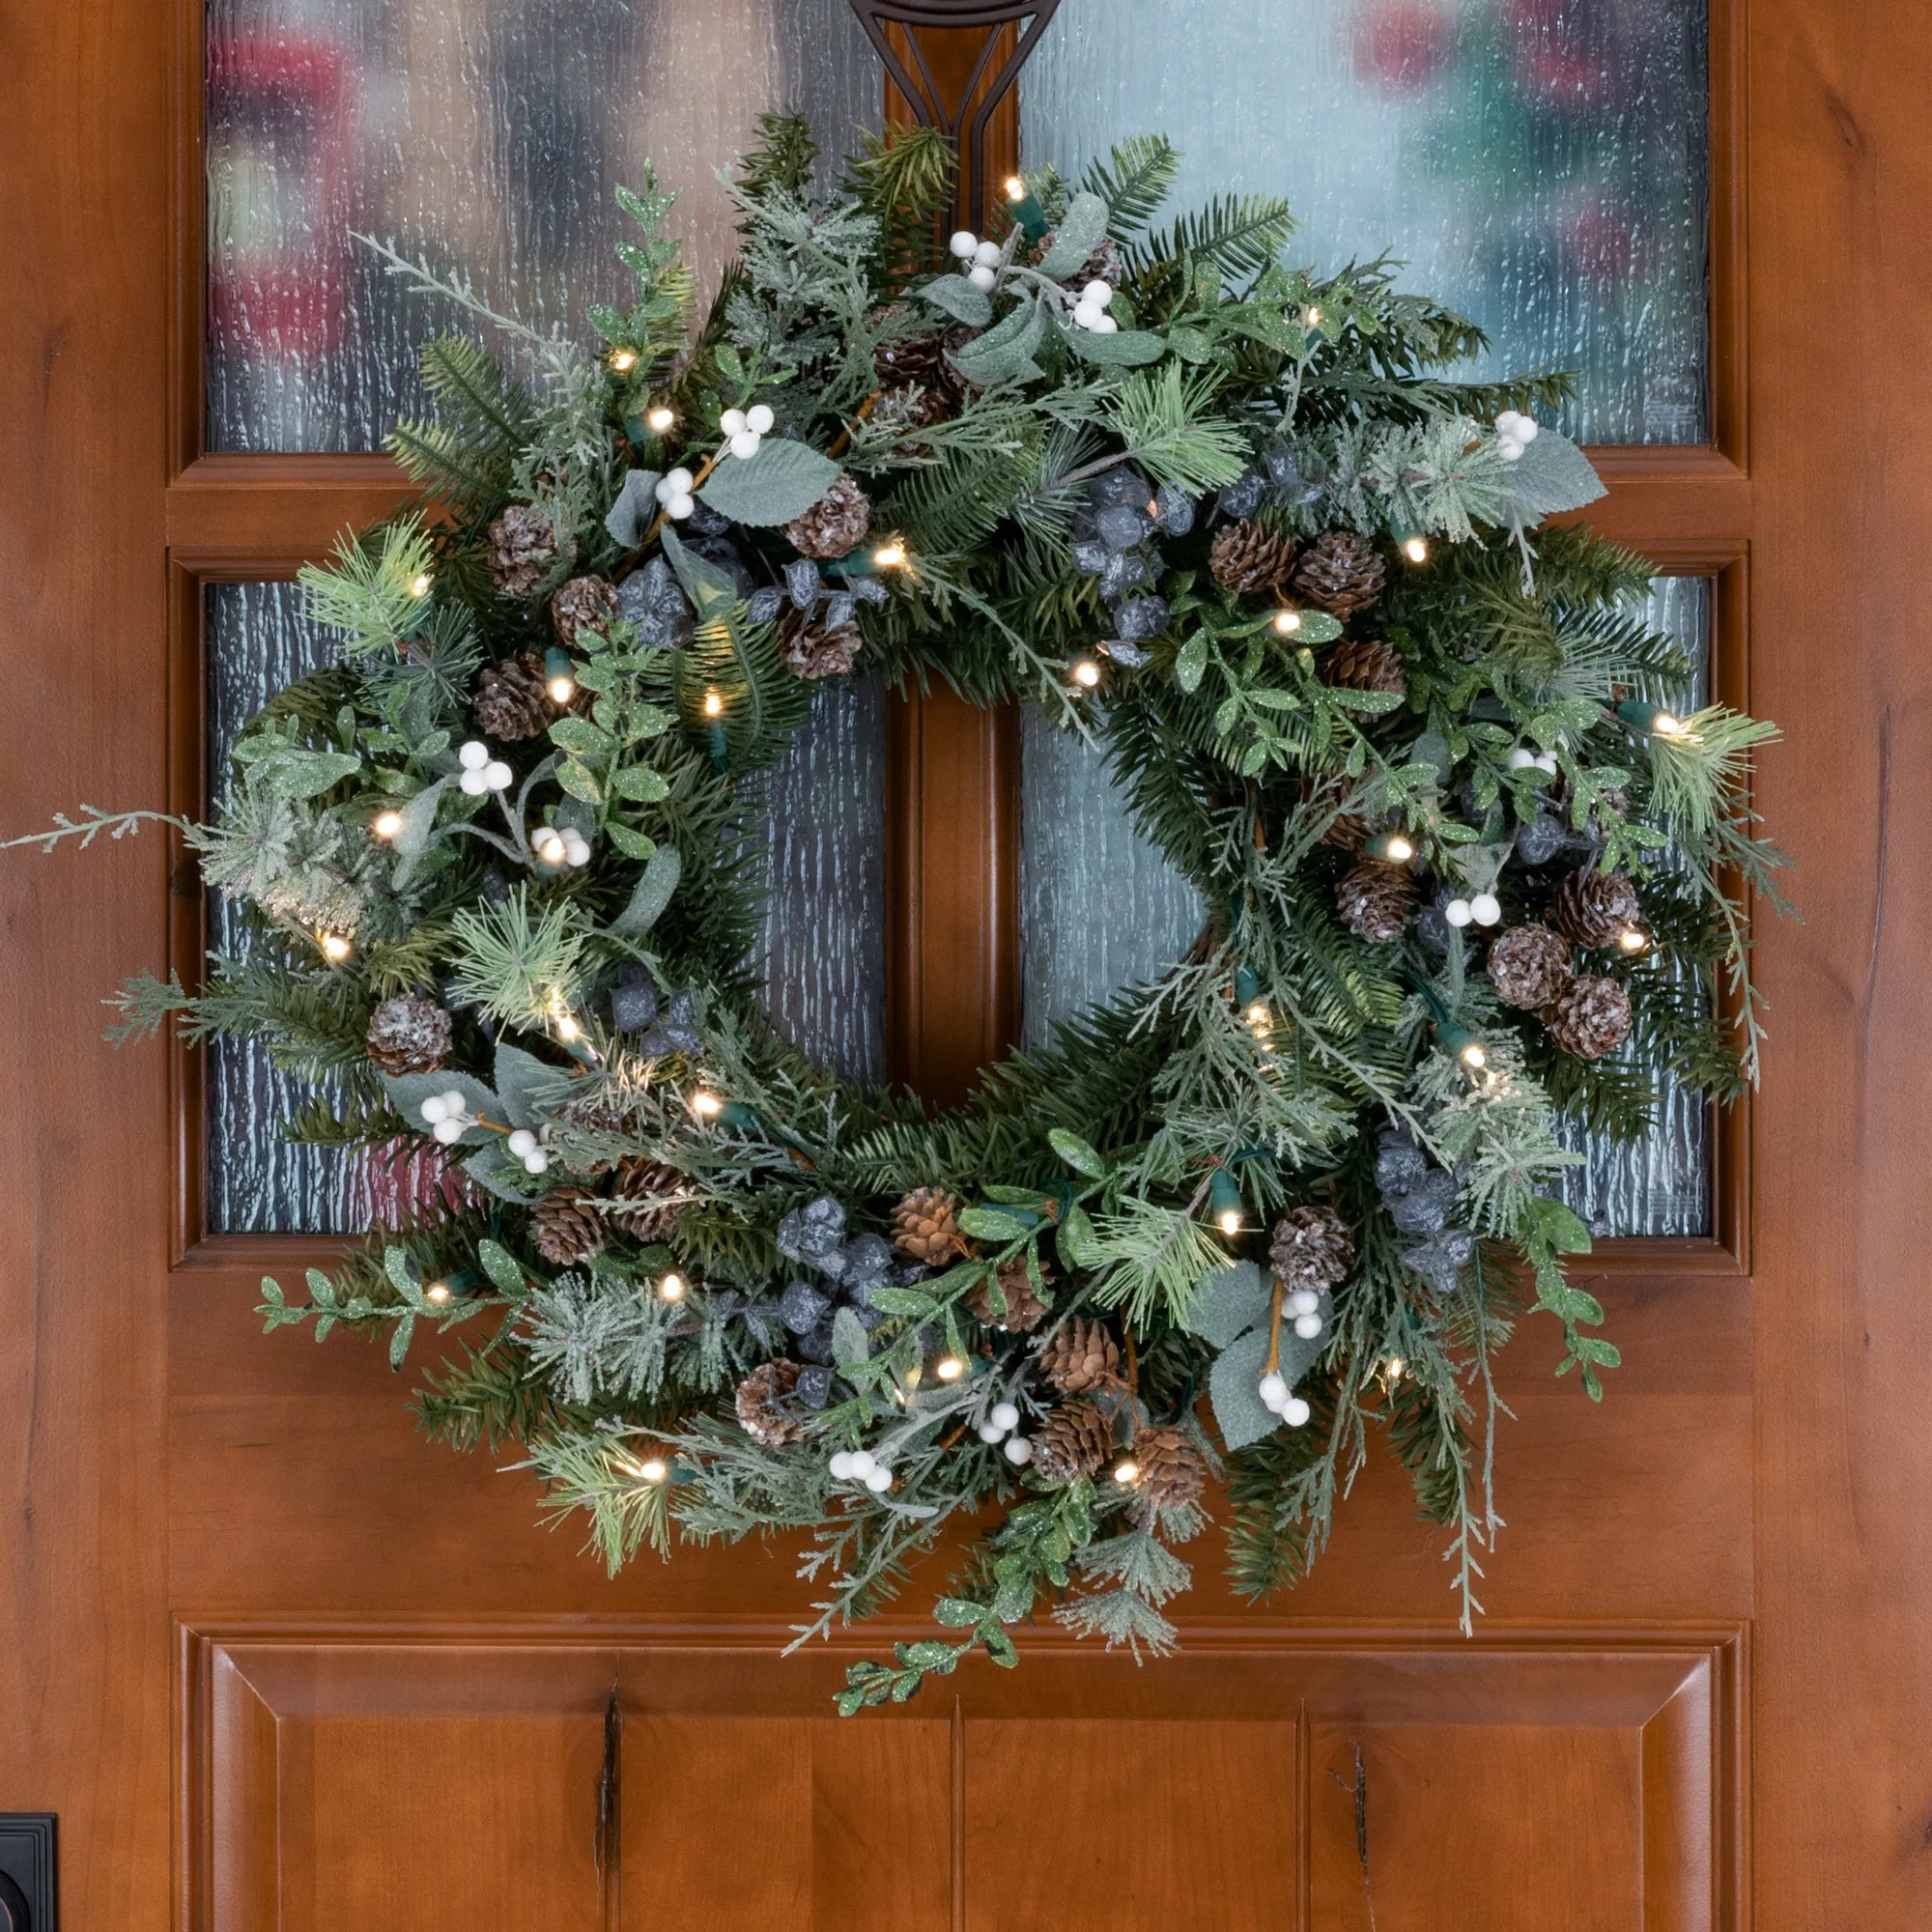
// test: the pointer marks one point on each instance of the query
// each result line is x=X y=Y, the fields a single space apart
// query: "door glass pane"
x=1101 y=909
x=1541 y=165
x=488 y=135
x=823 y=940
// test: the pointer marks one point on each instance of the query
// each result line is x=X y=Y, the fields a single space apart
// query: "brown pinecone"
x=1081 y=1356
x=573 y=1223
x=1365 y=663
x=1342 y=572
x=1346 y=829
x=1072 y=1442
x=1590 y=1018
x=658 y=1192
x=584 y=604
x=524 y=551
x=926 y=1225
x=565 y=1229
x=1172 y=1472
x=763 y=1410
x=511 y=701
x=836 y=524
x=408 y=1034
x=1375 y=899
x=1250 y=557
x=917 y=362
x=1529 y=966
x=812 y=649
x=1594 y=908
x=1025 y=1310
x=1312 y=1247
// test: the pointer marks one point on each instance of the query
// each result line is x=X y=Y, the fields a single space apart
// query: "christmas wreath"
x=1464 y=871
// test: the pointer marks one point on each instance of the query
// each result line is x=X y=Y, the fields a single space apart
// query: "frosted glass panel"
x=1540 y=164
x=1101 y=909
x=823 y=939
x=487 y=133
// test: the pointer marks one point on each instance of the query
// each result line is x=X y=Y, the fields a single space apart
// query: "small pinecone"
x=1529 y=966
x=919 y=361
x=762 y=1405
x=1025 y=1310
x=566 y=1227
x=584 y=604
x=575 y=1223
x=1365 y=663
x=659 y=1191
x=1312 y=1247
x=1173 y=1472
x=511 y=701
x=1341 y=572
x=1593 y=908
x=524 y=551
x=408 y=1034
x=1346 y=829
x=813 y=649
x=1072 y=1442
x=1250 y=557
x=926 y=1225
x=836 y=524
x=1590 y=1018
x=1081 y=1356
x=1375 y=899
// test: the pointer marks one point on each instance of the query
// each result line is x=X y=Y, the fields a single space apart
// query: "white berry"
x=1105 y=324
x=1019 y=1449
x=860 y=1463
x=1273 y=1391
x=1004 y=1415
x=1508 y=449
x=1458 y=912
x=1485 y=909
x=497 y=776
x=1308 y=1326
x=1303 y=1301
x=982 y=277
x=987 y=254
x=433 y=1110
x=1547 y=762
x=962 y=245
x=1526 y=430
x=731 y=421
x=744 y=445
x=1087 y=316
x=448 y=1132
x=880 y=1480
x=759 y=419
x=1096 y=293
x=841 y=1465
x=990 y=1432
x=535 y=1161
x=1522 y=758
x=474 y=783
x=575 y=848
x=522 y=1141
x=674 y=484
x=475 y=756
x=1294 y=1411
x=677 y=508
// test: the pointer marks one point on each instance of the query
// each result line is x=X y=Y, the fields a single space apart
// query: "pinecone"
x=565 y=1229
x=1312 y=1247
x=836 y=524
x=1375 y=899
x=573 y=1223
x=1346 y=829
x=408 y=1034
x=1250 y=557
x=1080 y=1356
x=1173 y=1472
x=1589 y=1019
x=1593 y=908
x=658 y=1192
x=1072 y=1442
x=1365 y=663
x=1341 y=573
x=813 y=649
x=1025 y=1310
x=584 y=604
x=763 y=1404
x=1529 y=966
x=511 y=701
x=524 y=551
x=918 y=361
x=926 y=1225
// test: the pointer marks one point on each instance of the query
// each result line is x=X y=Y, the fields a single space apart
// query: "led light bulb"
x=1231 y=1220
x=567 y=1028
x=890 y=555
x=1395 y=1368
x=653 y=1471
x=623 y=359
x=1415 y=549
x=1313 y=318
x=1087 y=673
x=660 y=420
x=714 y=705
x=670 y=1286
x=1475 y=1055
x=705 y=1105
x=1258 y=1017
x=1288 y=622
x=549 y=847
x=335 y=949
x=1016 y=188
x=387 y=823
x=949 y=1368
x=1126 y=1471
x=561 y=689
x=419 y=585
x=437 y=1293
x=1631 y=939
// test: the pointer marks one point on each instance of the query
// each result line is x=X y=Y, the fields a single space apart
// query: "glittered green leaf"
x=1077 y=1155
x=1080 y=232
x=652 y=892
x=959 y=298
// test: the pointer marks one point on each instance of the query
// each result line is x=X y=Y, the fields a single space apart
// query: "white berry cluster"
x=1515 y=434
x=1090 y=312
x=861 y=1465
x=1278 y=1399
x=978 y=261
x=1002 y=1425
x=1484 y=909
x=447 y=1116
x=674 y=491
x=481 y=772
x=1305 y=1305
x=561 y=845
x=524 y=1145
x=746 y=429
x=1523 y=758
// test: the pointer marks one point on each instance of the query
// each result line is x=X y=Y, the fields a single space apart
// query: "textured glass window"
x=1541 y=165
x=487 y=134
x=823 y=942
x=1101 y=909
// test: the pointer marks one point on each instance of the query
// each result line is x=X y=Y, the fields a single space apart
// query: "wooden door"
x=275 y=1662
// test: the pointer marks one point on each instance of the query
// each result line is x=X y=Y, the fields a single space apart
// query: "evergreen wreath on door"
x=1466 y=873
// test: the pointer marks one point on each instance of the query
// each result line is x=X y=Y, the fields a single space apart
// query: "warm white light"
x=706 y=1106
x=949 y=1368
x=1475 y=1055
x=561 y=689
x=1395 y=1368
x=1016 y=188
x=1087 y=673
x=653 y=1471
x=1415 y=549
x=1632 y=940
x=567 y=1028
x=1231 y=1220
x=660 y=420
x=622 y=359
x=387 y=823
x=1667 y=726
x=438 y=1291
x=1126 y=1470
x=1258 y=1016
x=890 y=555
x=419 y=585
x=714 y=705
x=670 y=1287
x=335 y=949
x=1400 y=851
x=550 y=848
x=1288 y=622
x=1315 y=318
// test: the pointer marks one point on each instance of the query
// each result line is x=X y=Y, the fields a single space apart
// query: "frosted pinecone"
x=1313 y=1248
x=764 y=1404
x=1595 y=908
x=1365 y=663
x=1072 y=1442
x=408 y=1034
x=1250 y=557
x=1529 y=966
x=1590 y=1018
x=926 y=1226
x=525 y=551
x=1341 y=572
x=1080 y=1358
x=1025 y=1310
x=584 y=604
x=836 y=524
x=1375 y=899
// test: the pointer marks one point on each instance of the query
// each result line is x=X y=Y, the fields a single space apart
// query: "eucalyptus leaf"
x=635 y=510
x=499 y=1171
x=1551 y=475
x=850 y=1346
x=1234 y=1383
x=783 y=480
x=1127 y=347
x=1077 y=1155
x=652 y=892
x=707 y=585
x=959 y=298
x=522 y=1081
x=305 y=774
x=1082 y=229
x=1004 y=352
x=1229 y=1300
